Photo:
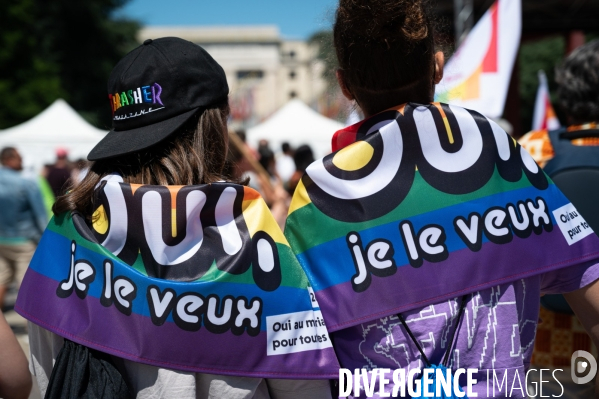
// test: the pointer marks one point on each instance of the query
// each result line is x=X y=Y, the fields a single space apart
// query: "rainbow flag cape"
x=192 y=278
x=423 y=203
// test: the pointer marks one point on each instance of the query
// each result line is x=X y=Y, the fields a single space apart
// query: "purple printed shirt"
x=497 y=332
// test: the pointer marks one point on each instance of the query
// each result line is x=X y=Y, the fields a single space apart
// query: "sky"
x=295 y=19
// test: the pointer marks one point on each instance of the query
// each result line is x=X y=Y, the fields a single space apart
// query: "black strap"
x=455 y=330
x=451 y=340
x=579 y=134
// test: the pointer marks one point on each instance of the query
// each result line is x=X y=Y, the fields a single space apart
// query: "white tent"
x=297 y=124
x=58 y=126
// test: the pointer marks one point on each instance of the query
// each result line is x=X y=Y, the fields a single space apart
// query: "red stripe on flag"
x=490 y=60
x=344 y=137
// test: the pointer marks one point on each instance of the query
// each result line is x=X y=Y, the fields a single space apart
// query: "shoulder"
x=16 y=179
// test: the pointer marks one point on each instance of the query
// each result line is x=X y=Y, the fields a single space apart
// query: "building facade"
x=263 y=70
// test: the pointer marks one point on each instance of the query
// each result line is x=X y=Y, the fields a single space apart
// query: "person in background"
x=47 y=194
x=59 y=173
x=271 y=186
x=267 y=160
x=578 y=97
x=80 y=169
x=570 y=156
x=23 y=218
x=232 y=170
x=285 y=164
x=15 y=379
x=392 y=226
x=254 y=174
x=243 y=164
x=302 y=158
x=263 y=143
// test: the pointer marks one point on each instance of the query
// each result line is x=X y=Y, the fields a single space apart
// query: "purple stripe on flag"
x=136 y=338
x=463 y=272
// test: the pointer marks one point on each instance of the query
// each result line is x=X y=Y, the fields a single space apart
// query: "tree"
x=326 y=53
x=60 y=48
x=331 y=102
x=28 y=79
x=544 y=54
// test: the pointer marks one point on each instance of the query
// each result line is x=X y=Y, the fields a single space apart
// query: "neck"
x=373 y=102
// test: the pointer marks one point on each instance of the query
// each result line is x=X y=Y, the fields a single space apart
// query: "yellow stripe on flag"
x=258 y=218
x=300 y=198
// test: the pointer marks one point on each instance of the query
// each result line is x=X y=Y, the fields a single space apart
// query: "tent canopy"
x=58 y=126
x=297 y=124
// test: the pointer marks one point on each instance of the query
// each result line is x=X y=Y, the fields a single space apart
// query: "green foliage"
x=59 y=49
x=326 y=53
x=545 y=55
x=28 y=80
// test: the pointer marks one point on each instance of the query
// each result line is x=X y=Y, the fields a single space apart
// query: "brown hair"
x=385 y=50
x=195 y=154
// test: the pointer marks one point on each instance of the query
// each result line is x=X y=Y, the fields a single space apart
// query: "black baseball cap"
x=154 y=90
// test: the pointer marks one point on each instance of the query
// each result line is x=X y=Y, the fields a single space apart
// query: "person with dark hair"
x=267 y=160
x=22 y=220
x=285 y=164
x=270 y=184
x=428 y=235
x=570 y=156
x=302 y=158
x=158 y=278
x=58 y=173
x=578 y=96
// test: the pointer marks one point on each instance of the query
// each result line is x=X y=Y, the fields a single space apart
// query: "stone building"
x=264 y=70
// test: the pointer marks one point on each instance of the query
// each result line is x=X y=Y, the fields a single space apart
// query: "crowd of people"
x=179 y=258
x=27 y=207
x=274 y=175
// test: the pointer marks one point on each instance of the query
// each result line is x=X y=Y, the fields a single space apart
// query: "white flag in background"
x=478 y=75
x=544 y=116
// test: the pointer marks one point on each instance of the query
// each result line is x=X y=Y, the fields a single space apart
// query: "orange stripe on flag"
x=249 y=194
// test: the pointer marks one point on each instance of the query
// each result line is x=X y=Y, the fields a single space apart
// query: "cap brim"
x=123 y=142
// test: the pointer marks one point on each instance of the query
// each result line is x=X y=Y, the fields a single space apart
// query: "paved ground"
x=19 y=327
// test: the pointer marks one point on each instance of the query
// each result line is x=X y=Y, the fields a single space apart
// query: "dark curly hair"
x=385 y=50
x=578 y=83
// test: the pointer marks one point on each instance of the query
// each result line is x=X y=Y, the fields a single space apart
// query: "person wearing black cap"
x=156 y=278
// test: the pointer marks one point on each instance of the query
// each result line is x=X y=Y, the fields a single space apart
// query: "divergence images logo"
x=583 y=366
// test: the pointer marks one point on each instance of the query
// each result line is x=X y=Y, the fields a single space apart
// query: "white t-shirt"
x=285 y=166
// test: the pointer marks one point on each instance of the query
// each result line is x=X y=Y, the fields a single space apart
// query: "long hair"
x=195 y=154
